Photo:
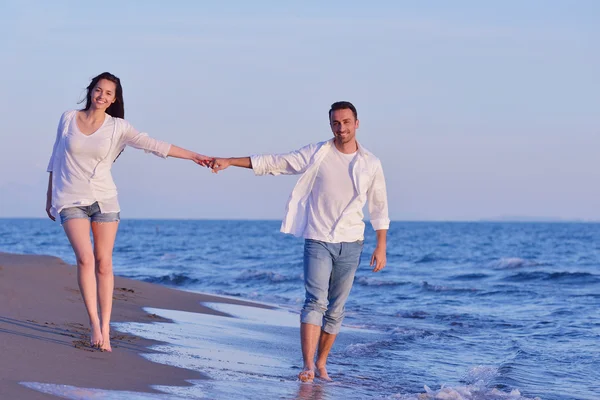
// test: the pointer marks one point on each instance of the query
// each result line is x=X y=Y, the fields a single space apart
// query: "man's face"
x=343 y=125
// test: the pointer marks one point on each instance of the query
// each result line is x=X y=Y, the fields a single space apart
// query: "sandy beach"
x=44 y=330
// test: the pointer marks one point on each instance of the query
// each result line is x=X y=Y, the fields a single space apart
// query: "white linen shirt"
x=81 y=164
x=367 y=176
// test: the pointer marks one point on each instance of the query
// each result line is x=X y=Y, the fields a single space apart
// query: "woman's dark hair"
x=116 y=109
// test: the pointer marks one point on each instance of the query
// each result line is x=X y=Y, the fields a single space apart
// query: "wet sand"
x=44 y=331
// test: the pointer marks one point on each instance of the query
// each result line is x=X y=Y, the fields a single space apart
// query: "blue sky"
x=476 y=109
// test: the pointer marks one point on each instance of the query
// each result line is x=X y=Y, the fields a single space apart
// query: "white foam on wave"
x=219 y=346
x=266 y=316
x=481 y=374
x=79 y=393
x=414 y=334
x=477 y=379
x=362 y=349
x=468 y=392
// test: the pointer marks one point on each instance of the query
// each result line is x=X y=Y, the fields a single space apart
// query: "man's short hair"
x=343 y=105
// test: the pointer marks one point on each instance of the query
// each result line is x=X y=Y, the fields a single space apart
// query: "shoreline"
x=44 y=330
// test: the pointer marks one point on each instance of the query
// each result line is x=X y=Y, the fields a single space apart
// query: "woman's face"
x=103 y=94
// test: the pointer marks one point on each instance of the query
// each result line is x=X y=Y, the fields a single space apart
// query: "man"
x=325 y=208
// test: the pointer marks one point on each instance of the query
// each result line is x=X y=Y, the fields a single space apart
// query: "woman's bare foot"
x=96 y=335
x=106 y=340
x=307 y=375
x=322 y=374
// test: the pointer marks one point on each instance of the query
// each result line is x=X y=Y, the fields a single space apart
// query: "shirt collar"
x=361 y=150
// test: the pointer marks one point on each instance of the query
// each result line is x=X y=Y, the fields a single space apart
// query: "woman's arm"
x=50 y=167
x=59 y=131
x=49 y=198
x=179 y=152
x=140 y=140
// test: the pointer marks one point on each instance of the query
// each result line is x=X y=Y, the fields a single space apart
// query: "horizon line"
x=481 y=220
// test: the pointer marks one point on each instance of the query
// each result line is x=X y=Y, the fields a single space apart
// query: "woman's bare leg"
x=78 y=233
x=105 y=234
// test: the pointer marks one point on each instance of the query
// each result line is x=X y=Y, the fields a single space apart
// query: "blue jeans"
x=329 y=270
x=91 y=213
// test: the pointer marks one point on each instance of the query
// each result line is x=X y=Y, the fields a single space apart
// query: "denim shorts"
x=91 y=213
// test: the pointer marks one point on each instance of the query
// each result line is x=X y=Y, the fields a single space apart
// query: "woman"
x=82 y=192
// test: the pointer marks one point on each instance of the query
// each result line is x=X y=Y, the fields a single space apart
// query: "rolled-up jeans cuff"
x=311 y=317
x=332 y=329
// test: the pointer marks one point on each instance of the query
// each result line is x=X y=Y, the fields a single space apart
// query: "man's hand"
x=379 y=258
x=219 y=164
x=201 y=159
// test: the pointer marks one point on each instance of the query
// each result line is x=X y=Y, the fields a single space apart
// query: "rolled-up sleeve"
x=140 y=140
x=283 y=164
x=377 y=199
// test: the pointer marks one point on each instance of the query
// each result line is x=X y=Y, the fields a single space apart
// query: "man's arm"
x=379 y=257
x=378 y=211
x=219 y=164
x=291 y=163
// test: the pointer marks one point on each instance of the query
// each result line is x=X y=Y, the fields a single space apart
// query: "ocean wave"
x=562 y=277
x=366 y=281
x=477 y=387
x=366 y=349
x=469 y=277
x=441 y=288
x=412 y=334
x=168 y=257
x=506 y=291
x=268 y=276
x=481 y=374
x=468 y=392
x=413 y=314
x=513 y=262
x=172 y=280
x=428 y=258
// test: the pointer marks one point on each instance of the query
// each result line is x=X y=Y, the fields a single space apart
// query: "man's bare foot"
x=307 y=375
x=106 y=341
x=322 y=374
x=96 y=336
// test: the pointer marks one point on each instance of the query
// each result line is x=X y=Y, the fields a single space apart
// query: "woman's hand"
x=49 y=198
x=201 y=159
x=48 y=208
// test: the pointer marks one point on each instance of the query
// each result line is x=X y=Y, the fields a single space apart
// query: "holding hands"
x=214 y=163
x=219 y=164
x=201 y=160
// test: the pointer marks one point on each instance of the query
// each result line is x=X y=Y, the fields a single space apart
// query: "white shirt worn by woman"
x=81 y=164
